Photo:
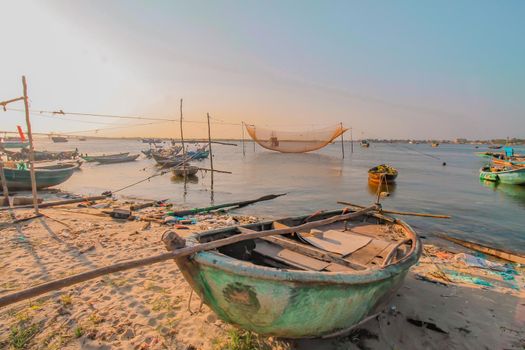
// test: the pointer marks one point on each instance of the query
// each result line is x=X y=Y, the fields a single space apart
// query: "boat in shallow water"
x=91 y=159
x=506 y=175
x=382 y=172
x=185 y=170
x=311 y=283
x=46 y=176
x=118 y=159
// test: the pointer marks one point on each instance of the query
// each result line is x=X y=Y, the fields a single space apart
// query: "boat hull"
x=290 y=303
x=290 y=309
x=511 y=177
x=21 y=179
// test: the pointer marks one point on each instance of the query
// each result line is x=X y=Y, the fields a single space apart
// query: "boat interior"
x=344 y=246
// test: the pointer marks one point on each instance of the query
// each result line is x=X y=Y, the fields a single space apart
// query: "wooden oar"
x=178 y=250
x=401 y=212
x=499 y=253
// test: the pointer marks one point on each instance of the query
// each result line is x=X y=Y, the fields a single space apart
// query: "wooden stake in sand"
x=178 y=250
x=31 y=148
x=5 y=190
x=242 y=134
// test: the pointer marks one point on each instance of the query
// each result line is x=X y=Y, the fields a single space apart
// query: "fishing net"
x=294 y=141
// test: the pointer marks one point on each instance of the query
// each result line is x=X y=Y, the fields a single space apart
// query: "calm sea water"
x=317 y=180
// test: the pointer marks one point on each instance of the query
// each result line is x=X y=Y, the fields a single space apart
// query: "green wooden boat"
x=91 y=159
x=304 y=285
x=506 y=175
x=46 y=176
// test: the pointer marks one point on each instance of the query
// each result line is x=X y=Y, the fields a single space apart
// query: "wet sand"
x=149 y=308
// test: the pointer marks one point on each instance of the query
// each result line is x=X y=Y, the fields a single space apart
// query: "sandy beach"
x=443 y=304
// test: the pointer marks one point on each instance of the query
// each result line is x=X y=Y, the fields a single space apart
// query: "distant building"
x=461 y=141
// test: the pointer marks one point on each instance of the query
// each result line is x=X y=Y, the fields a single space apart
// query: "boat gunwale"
x=245 y=268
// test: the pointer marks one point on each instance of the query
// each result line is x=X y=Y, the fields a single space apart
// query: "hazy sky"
x=392 y=69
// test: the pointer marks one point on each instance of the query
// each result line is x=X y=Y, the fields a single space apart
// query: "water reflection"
x=385 y=187
x=192 y=179
x=513 y=192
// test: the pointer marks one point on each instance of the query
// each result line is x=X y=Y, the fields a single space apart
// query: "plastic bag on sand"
x=475 y=261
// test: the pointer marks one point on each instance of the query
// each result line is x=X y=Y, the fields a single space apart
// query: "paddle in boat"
x=309 y=276
x=382 y=172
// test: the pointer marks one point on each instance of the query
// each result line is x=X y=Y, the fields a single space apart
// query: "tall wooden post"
x=254 y=139
x=209 y=147
x=182 y=133
x=351 y=141
x=243 y=149
x=31 y=148
x=342 y=142
x=5 y=190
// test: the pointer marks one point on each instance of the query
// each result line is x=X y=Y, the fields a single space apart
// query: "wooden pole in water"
x=351 y=141
x=31 y=148
x=243 y=148
x=254 y=139
x=342 y=142
x=181 y=133
x=209 y=146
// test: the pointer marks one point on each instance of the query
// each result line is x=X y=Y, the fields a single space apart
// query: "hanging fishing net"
x=294 y=141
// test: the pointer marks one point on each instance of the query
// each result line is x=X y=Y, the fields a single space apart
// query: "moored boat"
x=90 y=159
x=435 y=144
x=506 y=175
x=323 y=279
x=185 y=170
x=58 y=139
x=46 y=176
x=382 y=172
x=119 y=159
x=364 y=143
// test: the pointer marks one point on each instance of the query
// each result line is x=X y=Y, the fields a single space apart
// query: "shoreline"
x=443 y=302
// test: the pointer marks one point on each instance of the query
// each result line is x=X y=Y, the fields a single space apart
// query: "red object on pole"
x=21 y=133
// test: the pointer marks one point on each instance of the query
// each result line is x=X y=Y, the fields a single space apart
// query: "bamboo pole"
x=61 y=202
x=499 y=253
x=351 y=141
x=181 y=132
x=177 y=253
x=209 y=146
x=401 y=212
x=243 y=147
x=342 y=142
x=31 y=148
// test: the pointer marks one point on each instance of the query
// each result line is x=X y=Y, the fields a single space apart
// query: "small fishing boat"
x=382 y=172
x=58 y=139
x=506 y=175
x=91 y=159
x=495 y=146
x=185 y=170
x=13 y=144
x=485 y=154
x=435 y=144
x=46 y=176
x=364 y=143
x=323 y=276
x=119 y=159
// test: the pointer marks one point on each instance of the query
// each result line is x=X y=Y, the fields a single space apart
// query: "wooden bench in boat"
x=360 y=249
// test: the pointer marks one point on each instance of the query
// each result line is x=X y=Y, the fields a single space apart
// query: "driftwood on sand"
x=499 y=253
